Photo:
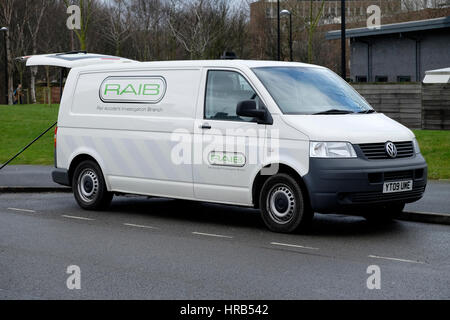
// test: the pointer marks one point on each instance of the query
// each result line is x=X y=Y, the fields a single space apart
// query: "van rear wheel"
x=89 y=186
x=283 y=205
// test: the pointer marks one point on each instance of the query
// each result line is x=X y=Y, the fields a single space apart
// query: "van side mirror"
x=249 y=109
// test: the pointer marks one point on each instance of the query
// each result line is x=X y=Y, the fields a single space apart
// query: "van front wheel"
x=283 y=205
x=89 y=187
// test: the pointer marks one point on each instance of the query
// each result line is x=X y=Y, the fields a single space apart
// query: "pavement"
x=25 y=177
x=168 y=249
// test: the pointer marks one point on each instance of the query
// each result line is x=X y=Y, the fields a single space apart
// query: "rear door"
x=71 y=60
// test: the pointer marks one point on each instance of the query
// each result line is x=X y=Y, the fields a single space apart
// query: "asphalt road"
x=168 y=249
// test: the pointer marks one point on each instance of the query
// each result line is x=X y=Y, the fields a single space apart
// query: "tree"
x=311 y=26
x=118 y=24
x=147 y=29
x=7 y=9
x=34 y=22
x=195 y=25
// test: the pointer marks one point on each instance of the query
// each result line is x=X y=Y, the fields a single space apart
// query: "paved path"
x=27 y=176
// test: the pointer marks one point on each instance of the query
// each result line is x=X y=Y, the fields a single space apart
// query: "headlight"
x=416 y=146
x=331 y=150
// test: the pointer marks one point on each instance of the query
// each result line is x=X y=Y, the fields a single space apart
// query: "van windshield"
x=310 y=90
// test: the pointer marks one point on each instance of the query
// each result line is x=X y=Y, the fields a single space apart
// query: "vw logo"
x=391 y=149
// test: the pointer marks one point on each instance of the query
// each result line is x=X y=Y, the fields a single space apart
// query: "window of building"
x=403 y=78
x=225 y=89
x=381 y=79
x=361 y=79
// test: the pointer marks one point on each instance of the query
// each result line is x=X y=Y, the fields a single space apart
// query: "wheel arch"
x=81 y=157
x=260 y=179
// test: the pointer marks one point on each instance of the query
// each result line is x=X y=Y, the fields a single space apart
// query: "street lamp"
x=5 y=30
x=343 y=42
x=288 y=13
x=278 y=31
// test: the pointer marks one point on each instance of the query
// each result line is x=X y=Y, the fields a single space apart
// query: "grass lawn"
x=21 y=124
x=435 y=147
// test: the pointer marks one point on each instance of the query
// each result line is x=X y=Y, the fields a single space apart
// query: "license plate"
x=397 y=186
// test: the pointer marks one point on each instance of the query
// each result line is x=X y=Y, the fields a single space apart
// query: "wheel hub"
x=281 y=204
x=88 y=185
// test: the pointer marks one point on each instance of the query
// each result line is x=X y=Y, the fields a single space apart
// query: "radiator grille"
x=377 y=151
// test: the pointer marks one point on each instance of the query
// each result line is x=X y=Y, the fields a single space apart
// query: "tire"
x=385 y=214
x=283 y=204
x=89 y=187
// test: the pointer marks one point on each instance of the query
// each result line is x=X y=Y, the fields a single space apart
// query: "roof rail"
x=73 y=52
x=228 y=55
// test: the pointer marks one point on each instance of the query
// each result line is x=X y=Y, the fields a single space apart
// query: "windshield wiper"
x=367 y=111
x=334 y=111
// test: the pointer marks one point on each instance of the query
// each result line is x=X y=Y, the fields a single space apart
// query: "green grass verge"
x=435 y=147
x=21 y=124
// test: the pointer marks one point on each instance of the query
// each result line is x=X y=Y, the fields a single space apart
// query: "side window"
x=224 y=90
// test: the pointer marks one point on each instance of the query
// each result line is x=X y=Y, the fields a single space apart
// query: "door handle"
x=205 y=126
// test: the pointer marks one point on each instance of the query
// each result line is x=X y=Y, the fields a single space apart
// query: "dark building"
x=399 y=52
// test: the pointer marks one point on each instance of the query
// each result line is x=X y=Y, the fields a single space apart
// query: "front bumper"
x=344 y=184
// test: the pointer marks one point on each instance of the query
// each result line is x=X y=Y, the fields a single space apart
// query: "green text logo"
x=227 y=159
x=133 y=89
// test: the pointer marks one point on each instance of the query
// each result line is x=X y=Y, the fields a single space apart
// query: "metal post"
x=343 y=42
x=290 y=37
x=278 y=30
x=61 y=83
x=6 y=65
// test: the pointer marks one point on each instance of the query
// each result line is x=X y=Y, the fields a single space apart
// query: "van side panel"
x=133 y=135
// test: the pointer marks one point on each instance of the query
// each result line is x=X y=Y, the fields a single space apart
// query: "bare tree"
x=312 y=25
x=7 y=9
x=147 y=17
x=118 y=24
x=195 y=25
x=34 y=22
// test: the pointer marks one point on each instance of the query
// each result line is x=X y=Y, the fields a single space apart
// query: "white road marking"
x=77 y=218
x=22 y=210
x=396 y=259
x=292 y=246
x=427 y=213
x=211 y=235
x=139 y=226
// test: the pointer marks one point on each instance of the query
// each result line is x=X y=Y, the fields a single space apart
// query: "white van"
x=288 y=138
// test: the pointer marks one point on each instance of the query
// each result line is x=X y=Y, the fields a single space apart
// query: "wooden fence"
x=436 y=106
x=401 y=102
x=416 y=105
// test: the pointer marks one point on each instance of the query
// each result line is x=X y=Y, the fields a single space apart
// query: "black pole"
x=6 y=68
x=278 y=30
x=343 y=42
x=61 y=83
x=290 y=37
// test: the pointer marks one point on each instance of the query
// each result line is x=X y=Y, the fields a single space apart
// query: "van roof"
x=196 y=63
